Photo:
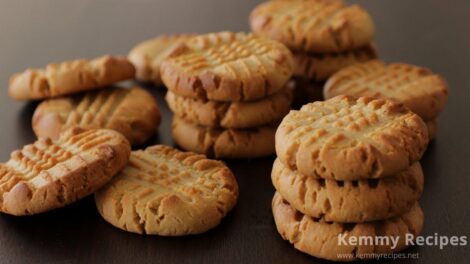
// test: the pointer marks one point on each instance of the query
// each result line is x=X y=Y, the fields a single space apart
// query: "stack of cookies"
x=421 y=90
x=348 y=169
x=324 y=36
x=228 y=93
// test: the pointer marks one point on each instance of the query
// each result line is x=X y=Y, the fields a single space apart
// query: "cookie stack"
x=324 y=36
x=421 y=90
x=348 y=169
x=79 y=94
x=227 y=92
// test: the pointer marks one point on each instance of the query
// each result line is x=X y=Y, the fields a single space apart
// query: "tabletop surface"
x=431 y=33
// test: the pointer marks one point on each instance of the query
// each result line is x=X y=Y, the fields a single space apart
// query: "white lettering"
x=342 y=239
x=394 y=241
x=409 y=239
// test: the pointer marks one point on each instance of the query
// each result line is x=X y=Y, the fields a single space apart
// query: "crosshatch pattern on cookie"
x=168 y=192
x=421 y=90
x=313 y=26
x=132 y=112
x=350 y=139
x=227 y=66
x=349 y=201
x=62 y=165
x=320 y=238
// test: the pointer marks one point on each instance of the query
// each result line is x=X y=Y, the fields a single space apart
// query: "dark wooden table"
x=432 y=33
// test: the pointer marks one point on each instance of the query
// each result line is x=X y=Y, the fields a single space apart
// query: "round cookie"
x=421 y=90
x=69 y=77
x=320 y=66
x=132 y=112
x=349 y=201
x=148 y=55
x=51 y=174
x=321 y=239
x=227 y=66
x=163 y=191
x=231 y=114
x=319 y=26
x=432 y=128
x=351 y=139
x=224 y=143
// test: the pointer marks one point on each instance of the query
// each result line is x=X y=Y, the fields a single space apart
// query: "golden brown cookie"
x=164 y=191
x=351 y=139
x=421 y=90
x=320 y=66
x=329 y=240
x=231 y=114
x=51 y=174
x=132 y=112
x=224 y=143
x=432 y=128
x=349 y=201
x=227 y=66
x=148 y=55
x=320 y=26
x=69 y=77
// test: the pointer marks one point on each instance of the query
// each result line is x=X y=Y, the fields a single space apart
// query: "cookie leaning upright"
x=421 y=90
x=132 y=112
x=51 y=174
x=69 y=77
x=351 y=139
x=227 y=66
x=148 y=56
x=164 y=191
x=313 y=25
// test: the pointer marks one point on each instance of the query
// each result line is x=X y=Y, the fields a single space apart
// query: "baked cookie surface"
x=51 y=174
x=148 y=55
x=231 y=114
x=227 y=66
x=421 y=90
x=167 y=192
x=320 y=26
x=351 y=139
x=132 y=112
x=224 y=143
x=320 y=66
x=349 y=201
x=69 y=77
x=321 y=239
